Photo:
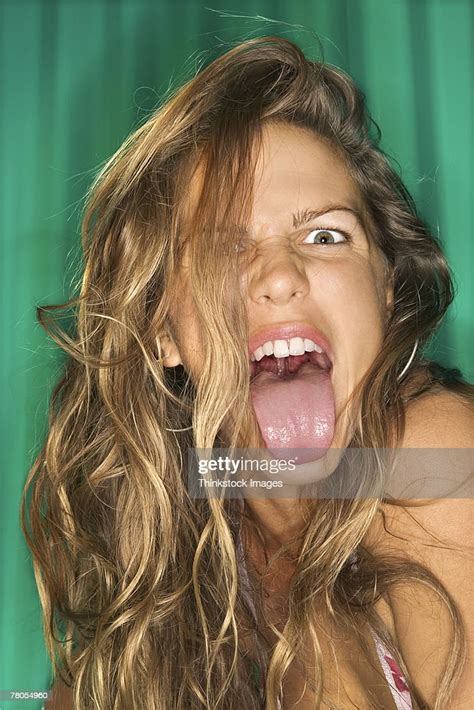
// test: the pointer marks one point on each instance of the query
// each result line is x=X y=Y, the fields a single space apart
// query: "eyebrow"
x=302 y=217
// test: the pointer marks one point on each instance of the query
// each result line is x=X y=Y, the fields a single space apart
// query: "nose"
x=277 y=277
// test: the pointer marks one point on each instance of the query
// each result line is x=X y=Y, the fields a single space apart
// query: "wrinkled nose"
x=277 y=278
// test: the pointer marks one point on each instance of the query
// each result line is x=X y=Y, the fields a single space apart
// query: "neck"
x=280 y=521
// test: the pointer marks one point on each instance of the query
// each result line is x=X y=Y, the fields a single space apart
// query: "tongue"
x=295 y=412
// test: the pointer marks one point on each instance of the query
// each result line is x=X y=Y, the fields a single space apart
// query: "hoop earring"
x=410 y=360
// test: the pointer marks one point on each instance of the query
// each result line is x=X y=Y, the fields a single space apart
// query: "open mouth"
x=292 y=395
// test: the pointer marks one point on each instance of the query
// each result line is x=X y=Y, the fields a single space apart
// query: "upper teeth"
x=284 y=348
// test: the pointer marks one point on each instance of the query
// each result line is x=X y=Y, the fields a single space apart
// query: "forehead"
x=295 y=170
x=297 y=162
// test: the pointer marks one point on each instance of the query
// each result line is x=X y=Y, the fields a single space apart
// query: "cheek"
x=355 y=308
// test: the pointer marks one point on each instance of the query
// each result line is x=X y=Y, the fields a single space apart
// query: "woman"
x=255 y=276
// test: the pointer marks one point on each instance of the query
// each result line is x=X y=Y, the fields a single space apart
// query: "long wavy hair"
x=139 y=582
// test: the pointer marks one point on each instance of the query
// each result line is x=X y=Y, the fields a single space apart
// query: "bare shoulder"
x=440 y=420
x=437 y=534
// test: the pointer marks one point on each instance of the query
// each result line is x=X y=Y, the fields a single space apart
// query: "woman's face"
x=313 y=266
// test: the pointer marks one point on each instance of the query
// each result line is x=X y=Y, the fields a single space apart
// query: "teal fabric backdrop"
x=78 y=75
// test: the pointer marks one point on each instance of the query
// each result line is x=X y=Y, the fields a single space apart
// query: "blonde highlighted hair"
x=135 y=576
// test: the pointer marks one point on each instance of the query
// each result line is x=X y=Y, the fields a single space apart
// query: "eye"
x=235 y=247
x=326 y=236
x=240 y=245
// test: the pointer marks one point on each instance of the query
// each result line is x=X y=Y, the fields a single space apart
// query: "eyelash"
x=330 y=229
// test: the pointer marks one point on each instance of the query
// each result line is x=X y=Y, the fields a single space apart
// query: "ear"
x=169 y=352
x=389 y=293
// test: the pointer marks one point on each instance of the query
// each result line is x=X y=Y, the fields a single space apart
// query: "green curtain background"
x=78 y=75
